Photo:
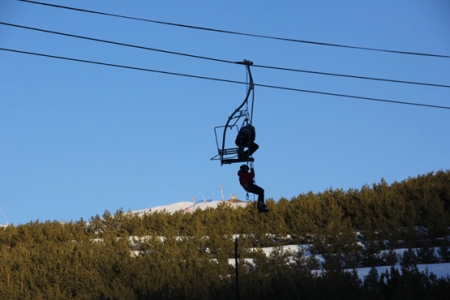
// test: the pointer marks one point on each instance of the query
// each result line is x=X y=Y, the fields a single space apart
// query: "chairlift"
x=229 y=154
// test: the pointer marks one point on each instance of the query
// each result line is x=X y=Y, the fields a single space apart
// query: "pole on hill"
x=236 y=256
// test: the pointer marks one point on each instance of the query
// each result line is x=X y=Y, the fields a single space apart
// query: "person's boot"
x=262 y=207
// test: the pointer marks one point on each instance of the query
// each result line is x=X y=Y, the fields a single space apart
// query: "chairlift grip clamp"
x=245 y=62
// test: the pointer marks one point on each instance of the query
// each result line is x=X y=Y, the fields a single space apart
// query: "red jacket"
x=246 y=178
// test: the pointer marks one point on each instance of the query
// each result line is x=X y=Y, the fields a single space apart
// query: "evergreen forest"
x=182 y=255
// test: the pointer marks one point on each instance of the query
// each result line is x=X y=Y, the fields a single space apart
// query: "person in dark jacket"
x=246 y=179
x=246 y=138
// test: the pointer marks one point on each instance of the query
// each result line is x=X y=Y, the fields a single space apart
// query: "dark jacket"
x=248 y=131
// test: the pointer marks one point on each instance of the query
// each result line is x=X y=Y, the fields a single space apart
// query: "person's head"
x=244 y=168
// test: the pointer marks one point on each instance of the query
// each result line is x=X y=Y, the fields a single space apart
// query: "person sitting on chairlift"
x=246 y=138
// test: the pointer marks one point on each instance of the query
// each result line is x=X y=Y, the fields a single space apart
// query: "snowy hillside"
x=190 y=206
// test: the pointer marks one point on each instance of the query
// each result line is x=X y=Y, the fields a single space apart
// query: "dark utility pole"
x=236 y=256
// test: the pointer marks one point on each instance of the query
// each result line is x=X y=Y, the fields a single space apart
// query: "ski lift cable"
x=221 y=80
x=226 y=61
x=7 y=223
x=240 y=33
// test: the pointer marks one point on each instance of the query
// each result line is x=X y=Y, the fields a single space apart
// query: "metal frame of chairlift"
x=230 y=155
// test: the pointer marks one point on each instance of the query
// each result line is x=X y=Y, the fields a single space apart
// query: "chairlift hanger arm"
x=247 y=64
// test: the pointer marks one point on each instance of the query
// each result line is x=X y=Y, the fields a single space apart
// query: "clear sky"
x=77 y=139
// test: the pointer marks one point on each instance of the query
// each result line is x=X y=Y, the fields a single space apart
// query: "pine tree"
x=444 y=251
x=371 y=282
x=408 y=261
x=389 y=257
x=426 y=255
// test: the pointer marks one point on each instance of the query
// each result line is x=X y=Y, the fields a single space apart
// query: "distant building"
x=234 y=199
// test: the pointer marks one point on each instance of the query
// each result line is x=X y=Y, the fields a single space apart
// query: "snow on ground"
x=440 y=269
x=189 y=206
x=168 y=208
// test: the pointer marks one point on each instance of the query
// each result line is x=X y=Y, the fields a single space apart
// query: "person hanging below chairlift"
x=246 y=139
x=246 y=179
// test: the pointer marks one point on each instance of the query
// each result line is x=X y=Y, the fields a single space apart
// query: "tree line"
x=182 y=255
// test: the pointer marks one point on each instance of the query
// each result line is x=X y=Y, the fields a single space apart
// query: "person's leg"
x=252 y=148
x=258 y=191
x=240 y=143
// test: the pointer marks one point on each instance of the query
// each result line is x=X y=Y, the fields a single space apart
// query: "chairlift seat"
x=230 y=156
x=230 y=161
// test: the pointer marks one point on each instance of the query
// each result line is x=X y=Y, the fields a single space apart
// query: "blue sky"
x=78 y=139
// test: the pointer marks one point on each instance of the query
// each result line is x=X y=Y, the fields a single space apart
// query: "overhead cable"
x=238 y=33
x=222 y=60
x=353 y=76
x=223 y=80
x=112 y=42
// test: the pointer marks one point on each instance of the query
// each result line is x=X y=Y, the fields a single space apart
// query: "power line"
x=239 y=33
x=222 y=80
x=221 y=60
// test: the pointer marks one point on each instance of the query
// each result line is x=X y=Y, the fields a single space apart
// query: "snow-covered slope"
x=190 y=207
